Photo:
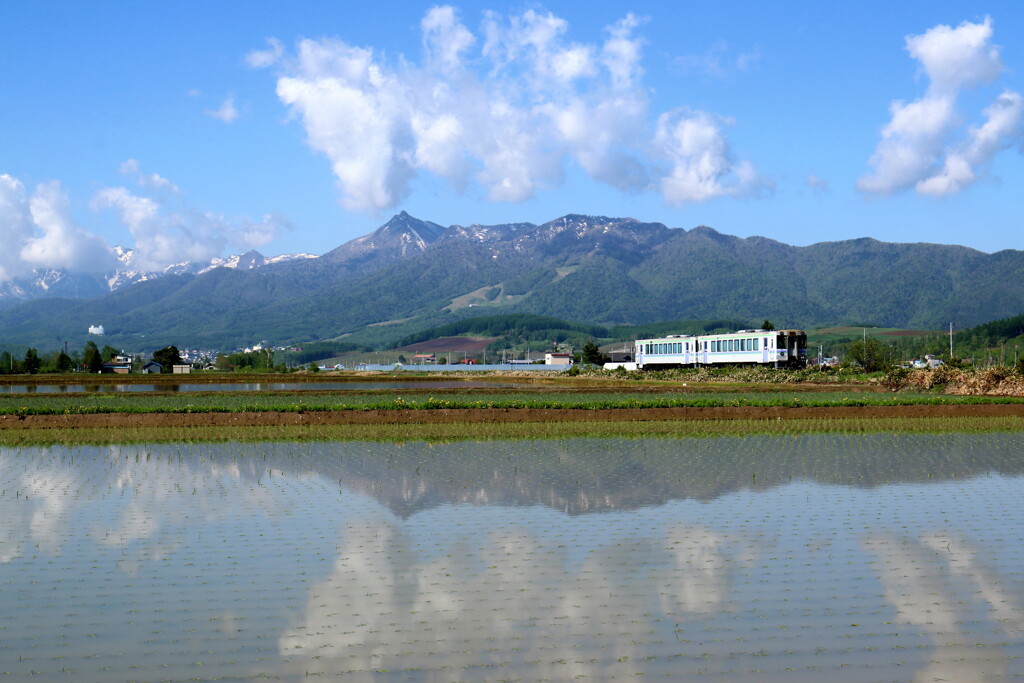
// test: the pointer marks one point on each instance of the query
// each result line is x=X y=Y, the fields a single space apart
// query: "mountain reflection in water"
x=856 y=557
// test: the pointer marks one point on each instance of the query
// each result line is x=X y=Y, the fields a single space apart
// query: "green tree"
x=63 y=362
x=91 y=358
x=767 y=325
x=167 y=357
x=32 y=361
x=591 y=354
x=871 y=354
x=107 y=353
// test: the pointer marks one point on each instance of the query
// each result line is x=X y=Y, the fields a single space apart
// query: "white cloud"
x=168 y=231
x=1000 y=130
x=259 y=59
x=955 y=58
x=130 y=167
x=702 y=165
x=15 y=225
x=39 y=233
x=445 y=39
x=504 y=110
x=923 y=145
x=226 y=112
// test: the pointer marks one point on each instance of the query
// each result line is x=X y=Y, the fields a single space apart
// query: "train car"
x=777 y=348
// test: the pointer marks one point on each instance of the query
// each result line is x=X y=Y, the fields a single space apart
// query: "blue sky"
x=193 y=129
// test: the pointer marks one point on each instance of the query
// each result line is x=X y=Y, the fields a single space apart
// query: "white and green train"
x=776 y=348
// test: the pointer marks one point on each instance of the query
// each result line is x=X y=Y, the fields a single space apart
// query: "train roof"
x=788 y=332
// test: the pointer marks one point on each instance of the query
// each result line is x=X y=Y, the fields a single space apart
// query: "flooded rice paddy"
x=880 y=557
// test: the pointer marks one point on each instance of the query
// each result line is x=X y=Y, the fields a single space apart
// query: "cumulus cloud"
x=504 y=109
x=924 y=145
x=39 y=233
x=166 y=230
x=702 y=165
x=130 y=167
x=226 y=112
x=1001 y=128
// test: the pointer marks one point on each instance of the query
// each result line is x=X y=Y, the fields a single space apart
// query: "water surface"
x=761 y=558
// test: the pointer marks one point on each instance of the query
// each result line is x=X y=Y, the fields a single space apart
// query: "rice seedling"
x=70 y=404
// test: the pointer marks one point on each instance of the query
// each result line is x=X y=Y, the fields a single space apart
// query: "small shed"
x=557 y=359
x=424 y=358
x=152 y=368
x=181 y=369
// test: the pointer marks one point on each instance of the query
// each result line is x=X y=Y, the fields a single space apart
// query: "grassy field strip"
x=505 y=430
x=176 y=403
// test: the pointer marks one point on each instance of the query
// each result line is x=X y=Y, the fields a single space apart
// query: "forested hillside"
x=411 y=274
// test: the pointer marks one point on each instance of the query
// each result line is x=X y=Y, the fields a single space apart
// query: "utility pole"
x=951 y=341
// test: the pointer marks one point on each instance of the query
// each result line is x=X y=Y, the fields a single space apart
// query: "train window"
x=755 y=345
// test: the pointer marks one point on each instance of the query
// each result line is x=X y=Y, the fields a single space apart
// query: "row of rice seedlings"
x=75 y=404
x=476 y=561
x=442 y=432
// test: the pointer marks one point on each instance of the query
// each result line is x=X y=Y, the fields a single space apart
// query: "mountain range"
x=61 y=283
x=410 y=274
